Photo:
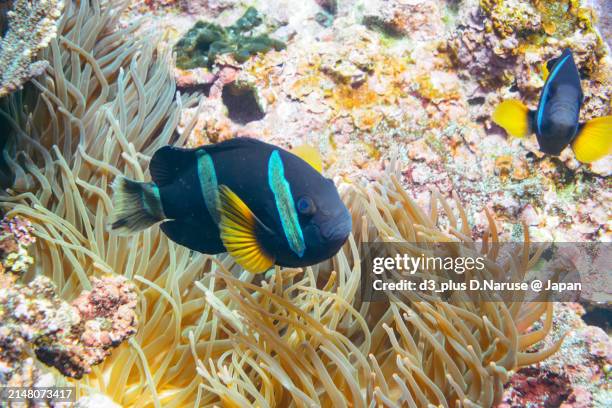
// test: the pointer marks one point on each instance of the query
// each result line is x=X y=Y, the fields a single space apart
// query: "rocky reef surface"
x=412 y=84
x=71 y=337
x=26 y=28
x=578 y=376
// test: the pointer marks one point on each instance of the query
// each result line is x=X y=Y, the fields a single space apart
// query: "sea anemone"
x=308 y=339
x=211 y=333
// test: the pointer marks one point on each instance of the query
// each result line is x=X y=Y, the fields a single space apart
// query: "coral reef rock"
x=603 y=9
x=15 y=237
x=505 y=43
x=70 y=337
x=576 y=377
x=204 y=7
x=205 y=41
x=31 y=25
x=414 y=18
x=106 y=317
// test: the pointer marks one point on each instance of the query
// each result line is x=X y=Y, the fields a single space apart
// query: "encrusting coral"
x=30 y=26
x=105 y=317
x=397 y=17
x=210 y=333
x=503 y=43
x=70 y=337
x=205 y=41
x=577 y=376
x=15 y=237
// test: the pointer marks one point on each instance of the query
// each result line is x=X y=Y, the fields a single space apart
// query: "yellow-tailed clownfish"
x=262 y=204
x=556 y=121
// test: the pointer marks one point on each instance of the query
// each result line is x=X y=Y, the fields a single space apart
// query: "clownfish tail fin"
x=136 y=206
x=594 y=140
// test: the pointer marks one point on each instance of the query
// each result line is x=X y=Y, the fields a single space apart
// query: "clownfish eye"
x=306 y=206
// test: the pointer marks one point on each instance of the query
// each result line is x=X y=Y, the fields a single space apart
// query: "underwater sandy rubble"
x=204 y=318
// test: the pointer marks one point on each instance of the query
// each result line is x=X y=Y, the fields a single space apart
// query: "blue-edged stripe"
x=545 y=92
x=209 y=186
x=285 y=204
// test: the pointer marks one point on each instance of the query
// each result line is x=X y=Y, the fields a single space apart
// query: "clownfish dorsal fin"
x=594 y=140
x=310 y=155
x=169 y=162
x=238 y=228
x=550 y=64
x=514 y=117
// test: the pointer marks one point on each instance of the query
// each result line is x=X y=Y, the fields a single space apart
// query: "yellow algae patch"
x=549 y=27
x=353 y=80
x=348 y=98
x=372 y=150
x=304 y=86
x=366 y=119
x=437 y=88
x=390 y=87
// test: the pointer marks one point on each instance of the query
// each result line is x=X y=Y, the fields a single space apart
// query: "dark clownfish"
x=556 y=121
x=262 y=204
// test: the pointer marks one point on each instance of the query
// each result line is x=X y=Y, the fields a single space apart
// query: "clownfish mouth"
x=338 y=230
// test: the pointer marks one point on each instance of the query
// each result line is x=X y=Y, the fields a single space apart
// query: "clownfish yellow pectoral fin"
x=513 y=116
x=594 y=140
x=310 y=155
x=238 y=229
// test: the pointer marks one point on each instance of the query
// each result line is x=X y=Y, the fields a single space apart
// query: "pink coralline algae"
x=199 y=7
x=108 y=312
x=15 y=237
x=71 y=337
x=535 y=387
x=405 y=17
x=105 y=318
x=578 y=376
x=482 y=53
